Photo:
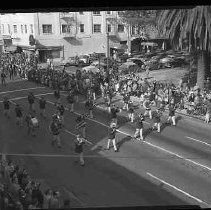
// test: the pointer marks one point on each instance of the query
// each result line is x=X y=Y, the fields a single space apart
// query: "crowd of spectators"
x=18 y=190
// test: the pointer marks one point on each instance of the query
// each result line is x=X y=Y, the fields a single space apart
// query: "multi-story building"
x=64 y=34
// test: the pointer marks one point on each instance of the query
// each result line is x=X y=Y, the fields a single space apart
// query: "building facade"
x=60 y=35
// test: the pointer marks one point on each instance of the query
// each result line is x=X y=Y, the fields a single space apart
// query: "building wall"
x=18 y=19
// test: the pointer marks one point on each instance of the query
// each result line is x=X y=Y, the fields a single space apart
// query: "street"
x=170 y=168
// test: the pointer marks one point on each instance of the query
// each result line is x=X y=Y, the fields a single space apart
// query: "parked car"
x=71 y=61
x=84 y=58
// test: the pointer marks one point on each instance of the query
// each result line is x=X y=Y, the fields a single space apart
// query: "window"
x=82 y=28
x=81 y=13
x=47 y=29
x=108 y=12
x=15 y=29
x=25 y=29
x=96 y=13
x=133 y=30
x=109 y=28
x=65 y=28
x=97 y=28
x=22 y=29
x=31 y=27
x=8 y=26
x=120 y=28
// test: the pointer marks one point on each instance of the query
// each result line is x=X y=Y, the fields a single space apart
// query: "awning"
x=43 y=47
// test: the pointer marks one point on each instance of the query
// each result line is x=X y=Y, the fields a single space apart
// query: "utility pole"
x=108 y=54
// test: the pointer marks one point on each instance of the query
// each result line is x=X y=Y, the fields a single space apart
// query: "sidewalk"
x=136 y=103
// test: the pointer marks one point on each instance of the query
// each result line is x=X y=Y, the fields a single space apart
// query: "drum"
x=35 y=122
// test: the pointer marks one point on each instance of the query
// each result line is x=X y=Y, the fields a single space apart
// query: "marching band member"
x=157 y=119
x=131 y=111
x=90 y=106
x=79 y=142
x=42 y=104
x=147 y=107
x=114 y=111
x=57 y=95
x=126 y=99
x=6 y=104
x=31 y=100
x=139 y=127
x=70 y=100
x=81 y=125
x=112 y=136
x=172 y=117
x=19 y=115
x=55 y=130
x=32 y=124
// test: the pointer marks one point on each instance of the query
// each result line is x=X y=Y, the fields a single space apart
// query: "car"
x=84 y=58
x=71 y=61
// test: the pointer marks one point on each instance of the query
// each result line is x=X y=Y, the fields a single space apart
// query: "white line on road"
x=18 y=98
x=209 y=145
x=11 y=91
x=179 y=190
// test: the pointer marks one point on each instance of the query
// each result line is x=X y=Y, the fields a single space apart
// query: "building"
x=60 y=35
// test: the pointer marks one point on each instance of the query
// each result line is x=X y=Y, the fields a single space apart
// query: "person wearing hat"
x=139 y=127
x=42 y=104
x=55 y=130
x=112 y=136
x=157 y=120
x=6 y=104
x=19 y=115
x=114 y=111
x=79 y=142
x=131 y=111
x=147 y=107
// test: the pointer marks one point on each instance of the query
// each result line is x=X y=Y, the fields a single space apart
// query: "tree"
x=140 y=19
x=193 y=25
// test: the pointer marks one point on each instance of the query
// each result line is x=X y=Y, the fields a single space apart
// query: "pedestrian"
x=172 y=117
x=79 y=142
x=112 y=136
x=31 y=100
x=57 y=95
x=6 y=104
x=147 y=107
x=157 y=120
x=208 y=111
x=126 y=99
x=139 y=127
x=42 y=103
x=131 y=111
x=34 y=124
x=114 y=111
x=3 y=78
x=89 y=105
x=70 y=100
x=55 y=130
x=19 y=115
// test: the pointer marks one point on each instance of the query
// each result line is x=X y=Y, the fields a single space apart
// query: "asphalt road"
x=170 y=168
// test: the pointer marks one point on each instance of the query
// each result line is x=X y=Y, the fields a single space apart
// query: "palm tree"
x=193 y=25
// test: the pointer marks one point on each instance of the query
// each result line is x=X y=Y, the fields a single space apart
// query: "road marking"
x=209 y=145
x=179 y=190
x=18 y=98
x=11 y=91
x=172 y=153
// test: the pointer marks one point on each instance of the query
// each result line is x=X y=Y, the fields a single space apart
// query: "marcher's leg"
x=141 y=134
x=81 y=158
x=114 y=144
x=136 y=133
x=72 y=107
x=58 y=141
x=174 y=120
x=108 y=144
x=158 y=126
x=150 y=114
x=132 y=117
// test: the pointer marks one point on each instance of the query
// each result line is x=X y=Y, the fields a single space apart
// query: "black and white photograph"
x=105 y=107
